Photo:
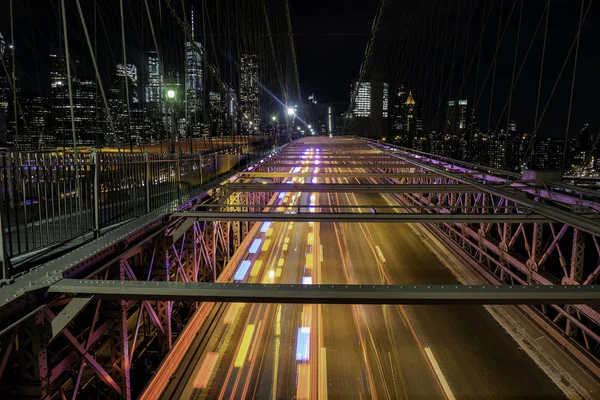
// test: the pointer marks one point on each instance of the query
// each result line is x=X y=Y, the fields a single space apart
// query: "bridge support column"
x=119 y=348
x=575 y=272
x=164 y=308
x=30 y=343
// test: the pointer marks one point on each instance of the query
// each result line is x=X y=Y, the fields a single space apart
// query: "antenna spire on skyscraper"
x=192 y=23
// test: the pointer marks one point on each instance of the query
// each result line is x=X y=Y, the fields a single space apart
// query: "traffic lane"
x=401 y=368
x=346 y=373
x=280 y=361
x=239 y=378
x=483 y=360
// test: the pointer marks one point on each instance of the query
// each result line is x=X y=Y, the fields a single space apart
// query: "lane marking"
x=380 y=254
x=439 y=374
x=321 y=253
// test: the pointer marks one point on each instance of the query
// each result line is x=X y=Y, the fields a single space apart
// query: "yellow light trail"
x=241 y=355
x=266 y=245
x=256 y=268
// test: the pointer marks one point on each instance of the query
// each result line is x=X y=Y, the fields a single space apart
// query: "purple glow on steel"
x=240 y=274
x=255 y=246
x=317 y=162
x=296 y=170
x=265 y=227
x=303 y=344
x=281 y=195
x=314 y=179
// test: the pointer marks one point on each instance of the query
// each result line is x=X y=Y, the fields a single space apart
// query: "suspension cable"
x=564 y=154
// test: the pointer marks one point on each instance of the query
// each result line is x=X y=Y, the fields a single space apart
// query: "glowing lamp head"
x=291 y=111
x=170 y=94
x=274 y=118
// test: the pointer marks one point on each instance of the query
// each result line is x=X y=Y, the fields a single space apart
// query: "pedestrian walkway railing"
x=52 y=198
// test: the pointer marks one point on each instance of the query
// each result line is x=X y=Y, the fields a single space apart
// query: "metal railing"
x=51 y=198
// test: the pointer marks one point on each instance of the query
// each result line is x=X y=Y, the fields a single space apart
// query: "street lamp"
x=274 y=118
x=291 y=111
x=171 y=94
x=298 y=127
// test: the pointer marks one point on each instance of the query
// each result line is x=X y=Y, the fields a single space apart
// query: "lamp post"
x=171 y=98
x=290 y=112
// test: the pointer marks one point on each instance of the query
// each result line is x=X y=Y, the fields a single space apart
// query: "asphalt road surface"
x=356 y=352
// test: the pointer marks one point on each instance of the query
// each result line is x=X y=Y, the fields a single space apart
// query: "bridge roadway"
x=358 y=351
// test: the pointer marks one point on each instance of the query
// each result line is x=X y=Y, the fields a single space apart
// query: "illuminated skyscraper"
x=249 y=94
x=456 y=116
x=362 y=101
x=193 y=77
x=128 y=75
x=155 y=86
x=371 y=108
x=216 y=112
x=88 y=127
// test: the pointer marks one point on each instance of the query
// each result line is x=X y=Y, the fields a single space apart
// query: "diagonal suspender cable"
x=98 y=78
x=68 y=62
x=292 y=47
x=126 y=77
x=564 y=154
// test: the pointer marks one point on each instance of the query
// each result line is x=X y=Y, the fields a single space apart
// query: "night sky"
x=330 y=38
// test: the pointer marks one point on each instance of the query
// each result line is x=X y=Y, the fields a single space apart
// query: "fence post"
x=96 y=205
x=178 y=173
x=147 y=182
x=216 y=156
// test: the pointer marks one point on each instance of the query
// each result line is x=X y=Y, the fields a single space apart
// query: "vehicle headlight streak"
x=265 y=226
x=303 y=344
x=240 y=274
x=255 y=246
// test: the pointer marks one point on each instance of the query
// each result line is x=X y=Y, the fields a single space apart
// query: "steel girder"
x=358 y=217
x=347 y=188
x=330 y=294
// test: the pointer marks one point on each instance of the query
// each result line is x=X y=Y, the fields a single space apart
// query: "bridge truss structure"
x=88 y=320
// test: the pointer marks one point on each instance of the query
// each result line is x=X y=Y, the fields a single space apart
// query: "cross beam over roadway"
x=348 y=188
x=310 y=163
x=329 y=294
x=379 y=175
x=361 y=217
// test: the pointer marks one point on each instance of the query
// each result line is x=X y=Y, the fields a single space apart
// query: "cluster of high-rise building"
x=505 y=149
x=137 y=108
x=461 y=138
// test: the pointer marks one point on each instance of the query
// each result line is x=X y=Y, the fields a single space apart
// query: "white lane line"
x=380 y=253
x=321 y=253
x=439 y=374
